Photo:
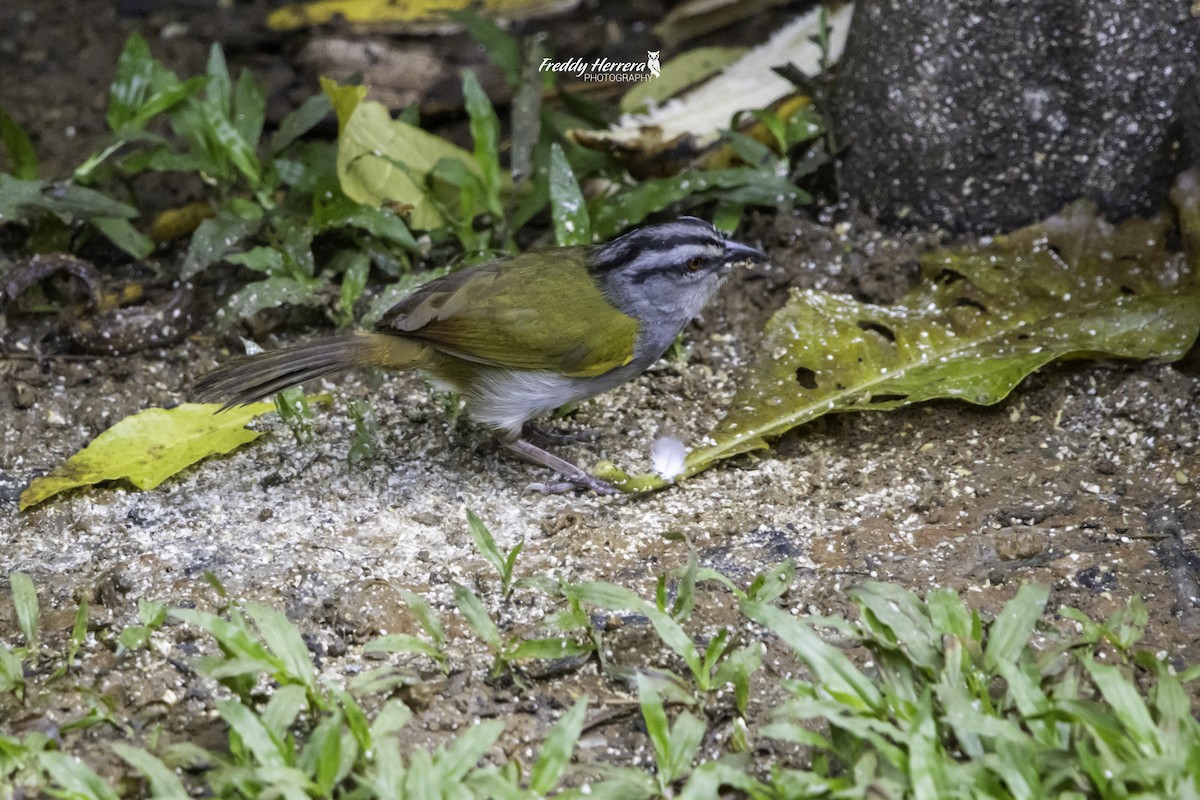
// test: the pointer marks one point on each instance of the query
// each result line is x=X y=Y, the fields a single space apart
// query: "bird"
x=520 y=336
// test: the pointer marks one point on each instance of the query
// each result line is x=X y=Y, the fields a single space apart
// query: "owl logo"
x=652 y=61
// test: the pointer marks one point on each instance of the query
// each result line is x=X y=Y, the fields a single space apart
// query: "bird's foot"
x=546 y=438
x=576 y=478
x=587 y=483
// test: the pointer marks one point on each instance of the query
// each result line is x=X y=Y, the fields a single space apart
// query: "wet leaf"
x=269 y=293
x=216 y=236
x=149 y=447
x=567 y=206
x=18 y=198
x=984 y=317
x=340 y=211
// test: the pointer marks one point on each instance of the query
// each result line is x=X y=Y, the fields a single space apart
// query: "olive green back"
x=532 y=311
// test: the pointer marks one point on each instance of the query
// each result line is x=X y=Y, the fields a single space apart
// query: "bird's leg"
x=575 y=477
x=543 y=438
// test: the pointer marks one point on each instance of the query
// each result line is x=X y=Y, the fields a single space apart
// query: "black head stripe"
x=667 y=245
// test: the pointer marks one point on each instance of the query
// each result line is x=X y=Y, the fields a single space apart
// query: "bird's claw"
x=589 y=482
x=546 y=438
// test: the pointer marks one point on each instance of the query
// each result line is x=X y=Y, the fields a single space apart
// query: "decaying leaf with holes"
x=984 y=317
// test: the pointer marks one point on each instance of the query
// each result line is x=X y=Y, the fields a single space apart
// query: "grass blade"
x=477 y=617
x=1009 y=634
x=25 y=603
x=572 y=224
x=557 y=749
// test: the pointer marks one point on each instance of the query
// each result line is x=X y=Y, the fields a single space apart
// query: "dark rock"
x=981 y=115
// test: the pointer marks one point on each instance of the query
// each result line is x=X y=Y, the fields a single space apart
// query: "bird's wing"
x=534 y=311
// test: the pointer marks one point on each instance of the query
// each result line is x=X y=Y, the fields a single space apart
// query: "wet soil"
x=1084 y=480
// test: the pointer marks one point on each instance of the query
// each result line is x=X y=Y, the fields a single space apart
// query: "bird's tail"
x=250 y=378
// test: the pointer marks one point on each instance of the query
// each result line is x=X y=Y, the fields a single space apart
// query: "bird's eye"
x=694 y=263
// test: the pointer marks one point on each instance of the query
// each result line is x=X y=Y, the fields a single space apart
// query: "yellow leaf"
x=380 y=160
x=149 y=447
x=416 y=15
x=343 y=98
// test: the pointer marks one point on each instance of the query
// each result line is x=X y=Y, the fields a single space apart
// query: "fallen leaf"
x=149 y=447
x=985 y=317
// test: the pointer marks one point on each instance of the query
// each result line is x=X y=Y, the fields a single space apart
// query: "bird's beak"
x=738 y=253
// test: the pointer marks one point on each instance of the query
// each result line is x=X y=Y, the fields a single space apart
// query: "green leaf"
x=1010 y=633
x=736 y=184
x=269 y=293
x=403 y=643
x=425 y=615
x=477 y=617
x=285 y=642
x=526 y=114
x=557 y=748
x=391 y=719
x=134 y=637
x=131 y=82
x=149 y=447
x=266 y=748
x=484 y=543
x=354 y=266
x=160 y=101
x=249 y=109
x=300 y=121
x=618 y=598
x=572 y=225
x=984 y=318
x=283 y=708
x=547 y=649
x=12 y=671
x=382 y=160
x=122 y=233
x=1121 y=695
x=73 y=777
x=25 y=603
x=837 y=674
x=675 y=746
x=337 y=211
x=21 y=155
x=905 y=619
x=485 y=133
x=655 y=718
x=327 y=756
x=164 y=783
x=462 y=756
x=228 y=141
x=260 y=259
x=218 y=91
x=18 y=198
x=217 y=236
